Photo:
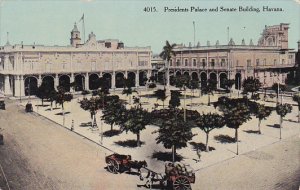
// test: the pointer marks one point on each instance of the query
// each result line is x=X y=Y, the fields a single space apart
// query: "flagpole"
x=194 y=32
x=228 y=34
x=83 y=26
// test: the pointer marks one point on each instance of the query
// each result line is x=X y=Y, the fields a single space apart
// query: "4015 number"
x=150 y=9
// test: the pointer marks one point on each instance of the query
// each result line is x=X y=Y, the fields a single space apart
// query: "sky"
x=50 y=22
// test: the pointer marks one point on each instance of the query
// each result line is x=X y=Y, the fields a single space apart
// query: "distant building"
x=270 y=60
x=24 y=67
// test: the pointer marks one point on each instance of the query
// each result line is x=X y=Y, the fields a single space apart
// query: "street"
x=38 y=154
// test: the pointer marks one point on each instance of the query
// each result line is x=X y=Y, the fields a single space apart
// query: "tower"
x=75 y=36
x=276 y=35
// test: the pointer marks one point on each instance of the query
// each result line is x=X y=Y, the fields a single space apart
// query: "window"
x=212 y=62
x=177 y=62
x=275 y=61
x=185 y=62
x=249 y=62
x=237 y=62
x=222 y=62
x=171 y=62
x=257 y=61
x=203 y=62
x=283 y=61
x=194 y=62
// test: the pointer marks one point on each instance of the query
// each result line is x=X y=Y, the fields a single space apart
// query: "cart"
x=118 y=163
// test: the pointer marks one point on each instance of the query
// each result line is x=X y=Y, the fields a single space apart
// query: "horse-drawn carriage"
x=119 y=163
x=177 y=176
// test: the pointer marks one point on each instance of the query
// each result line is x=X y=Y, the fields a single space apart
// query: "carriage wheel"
x=181 y=183
x=113 y=166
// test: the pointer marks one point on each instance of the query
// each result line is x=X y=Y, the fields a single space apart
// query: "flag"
x=81 y=19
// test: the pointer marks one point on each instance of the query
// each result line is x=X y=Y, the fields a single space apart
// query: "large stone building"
x=270 y=60
x=24 y=67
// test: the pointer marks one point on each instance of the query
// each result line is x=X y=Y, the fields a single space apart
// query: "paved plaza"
x=263 y=157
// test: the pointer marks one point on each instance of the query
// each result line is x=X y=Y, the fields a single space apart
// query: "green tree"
x=174 y=101
x=278 y=88
x=112 y=112
x=209 y=88
x=161 y=95
x=251 y=85
x=52 y=97
x=282 y=110
x=92 y=105
x=42 y=93
x=166 y=54
x=62 y=96
x=208 y=122
x=127 y=89
x=137 y=119
x=296 y=98
x=174 y=133
x=235 y=115
x=262 y=112
x=228 y=85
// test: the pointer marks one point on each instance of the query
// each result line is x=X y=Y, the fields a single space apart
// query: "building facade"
x=25 y=67
x=270 y=60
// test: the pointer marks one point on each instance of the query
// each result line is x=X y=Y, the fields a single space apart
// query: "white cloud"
x=86 y=1
x=297 y=1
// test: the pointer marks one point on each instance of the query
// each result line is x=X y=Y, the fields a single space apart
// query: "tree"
x=127 y=89
x=174 y=133
x=277 y=87
x=174 y=100
x=251 y=85
x=62 y=96
x=235 y=115
x=209 y=88
x=52 y=97
x=296 y=98
x=208 y=122
x=137 y=119
x=92 y=105
x=166 y=54
x=282 y=110
x=262 y=112
x=112 y=112
x=161 y=95
x=228 y=84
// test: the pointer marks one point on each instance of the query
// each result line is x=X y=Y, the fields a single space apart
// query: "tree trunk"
x=138 y=143
x=42 y=102
x=111 y=126
x=51 y=105
x=173 y=153
x=163 y=104
x=206 y=145
x=259 y=122
x=280 y=126
x=208 y=100
x=237 y=141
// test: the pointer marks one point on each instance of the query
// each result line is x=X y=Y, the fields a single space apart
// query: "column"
x=113 y=79
x=6 y=62
x=72 y=79
x=17 y=85
x=137 y=77
x=7 y=89
x=86 y=82
x=56 y=82
x=218 y=80
x=40 y=80
x=22 y=85
x=126 y=74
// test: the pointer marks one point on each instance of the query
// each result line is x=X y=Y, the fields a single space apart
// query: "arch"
x=186 y=73
x=119 y=80
x=131 y=77
x=203 y=79
x=213 y=76
x=142 y=78
x=177 y=73
x=64 y=81
x=48 y=81
x=107 y=77
x=31 y=85
x=79 y=82
x=195 y=76
x=238 y=78
x=93 y=81
x=223 y=79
